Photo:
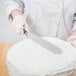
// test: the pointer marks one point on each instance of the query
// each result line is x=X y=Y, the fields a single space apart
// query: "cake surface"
x=30 y=57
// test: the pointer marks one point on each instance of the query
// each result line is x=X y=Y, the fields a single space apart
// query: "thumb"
x=72 y=40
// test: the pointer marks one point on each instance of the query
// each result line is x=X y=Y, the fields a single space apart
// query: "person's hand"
x=72 y=39
x=19 y=24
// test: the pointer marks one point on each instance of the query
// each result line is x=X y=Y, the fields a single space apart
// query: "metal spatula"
x=52 y=48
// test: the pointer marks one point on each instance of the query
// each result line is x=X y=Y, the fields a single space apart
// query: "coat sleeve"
x=73 y=10
x=74 y=22
x=12 y=5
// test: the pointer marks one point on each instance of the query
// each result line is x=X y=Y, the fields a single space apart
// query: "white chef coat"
x=47 y=17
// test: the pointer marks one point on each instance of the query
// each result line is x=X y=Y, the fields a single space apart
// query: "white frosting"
x=31 y=58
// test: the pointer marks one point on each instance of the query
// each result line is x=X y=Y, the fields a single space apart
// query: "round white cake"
x=29 y=58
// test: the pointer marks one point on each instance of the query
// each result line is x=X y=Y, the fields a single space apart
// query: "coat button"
x=38 y=20
x=38 y=2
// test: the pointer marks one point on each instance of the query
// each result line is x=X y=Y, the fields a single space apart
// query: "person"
x=44 y=17
x=52 y=18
